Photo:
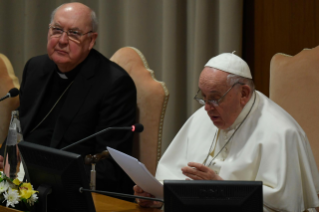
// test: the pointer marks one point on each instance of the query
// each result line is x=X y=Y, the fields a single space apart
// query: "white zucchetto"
x=230 y=63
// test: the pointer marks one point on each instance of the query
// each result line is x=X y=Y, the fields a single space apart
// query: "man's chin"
x=60 y=61
x=219 y=124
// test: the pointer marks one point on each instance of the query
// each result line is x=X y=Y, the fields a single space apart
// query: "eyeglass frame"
x=67 y=32
x=215 y=103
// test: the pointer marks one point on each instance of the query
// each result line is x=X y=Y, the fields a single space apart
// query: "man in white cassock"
x=240 y=134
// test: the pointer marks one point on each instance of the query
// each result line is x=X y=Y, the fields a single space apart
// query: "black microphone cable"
x=81 y=189
x=134 y=128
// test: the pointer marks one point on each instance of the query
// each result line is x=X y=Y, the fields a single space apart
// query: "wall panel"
x=272 y=26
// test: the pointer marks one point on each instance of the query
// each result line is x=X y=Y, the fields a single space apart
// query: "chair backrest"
x=294 y=85
x=152 y=98
x=8 y=80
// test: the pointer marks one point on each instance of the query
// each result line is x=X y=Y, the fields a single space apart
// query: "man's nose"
x=209 y=106
x=64 y=38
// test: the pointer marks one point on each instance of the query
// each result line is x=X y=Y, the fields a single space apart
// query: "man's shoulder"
x=106 y=73
x=106 y=66
x=271 y=114
x=269 y=126
x=40 y=60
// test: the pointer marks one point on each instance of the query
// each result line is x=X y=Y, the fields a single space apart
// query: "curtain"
x=177 y=37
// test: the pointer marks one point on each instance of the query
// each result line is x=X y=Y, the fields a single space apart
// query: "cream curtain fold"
x=177 y=38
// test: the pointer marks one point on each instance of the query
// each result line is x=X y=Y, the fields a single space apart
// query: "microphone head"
x=137 y=128
x=14 y=92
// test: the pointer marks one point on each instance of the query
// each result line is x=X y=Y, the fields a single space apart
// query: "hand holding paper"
x=137 y=172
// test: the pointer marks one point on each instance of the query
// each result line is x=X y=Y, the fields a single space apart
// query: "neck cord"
x=209 y=151
x=52 y=108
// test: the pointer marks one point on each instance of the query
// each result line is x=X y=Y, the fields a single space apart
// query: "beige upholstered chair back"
x=8 y=80
x=294 y=85
x=152 y=98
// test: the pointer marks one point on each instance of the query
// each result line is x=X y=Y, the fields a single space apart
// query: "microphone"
x=12 y=93
x=137 y=128
x=81 y=189
x=134 y=128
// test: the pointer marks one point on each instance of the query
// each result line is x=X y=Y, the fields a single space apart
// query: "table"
x=4 y=209
x=109 y=204
x=106 y=204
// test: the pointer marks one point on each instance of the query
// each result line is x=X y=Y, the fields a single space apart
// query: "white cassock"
x=268 y=146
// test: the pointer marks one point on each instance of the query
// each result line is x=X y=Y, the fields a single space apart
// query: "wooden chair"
x=8 y=80
x=294 y=85
x=152 y=98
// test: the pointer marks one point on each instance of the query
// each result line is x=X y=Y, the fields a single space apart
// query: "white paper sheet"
x=137 y=172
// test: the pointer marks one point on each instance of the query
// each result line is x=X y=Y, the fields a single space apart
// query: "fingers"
x=144 y=202
x=198 y=166
x=197 y=171
x=150 y=204
x=138 y=191
x=193 y=174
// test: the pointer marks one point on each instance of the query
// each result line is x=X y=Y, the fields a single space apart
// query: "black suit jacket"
x=102 y=95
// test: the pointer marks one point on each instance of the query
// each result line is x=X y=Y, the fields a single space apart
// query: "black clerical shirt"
x=59 y=82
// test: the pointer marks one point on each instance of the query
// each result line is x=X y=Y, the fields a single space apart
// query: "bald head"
x=77 y=8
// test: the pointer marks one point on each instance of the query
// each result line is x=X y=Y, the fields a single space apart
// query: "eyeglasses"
x=73 y=35
x=200 y=99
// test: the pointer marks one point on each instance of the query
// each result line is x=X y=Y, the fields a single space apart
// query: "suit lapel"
x=37 y=95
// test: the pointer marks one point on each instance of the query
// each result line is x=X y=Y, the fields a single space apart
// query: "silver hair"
x=94 y=21
x=231 y=79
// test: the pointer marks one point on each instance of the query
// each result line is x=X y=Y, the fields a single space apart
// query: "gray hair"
x=94 y=21
x=231 y=79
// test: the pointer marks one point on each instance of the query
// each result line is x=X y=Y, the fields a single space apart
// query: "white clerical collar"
x=243 y=113
x=62 y=75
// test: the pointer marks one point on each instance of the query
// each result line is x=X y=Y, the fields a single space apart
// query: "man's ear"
x=245 y=94
x=93 y=38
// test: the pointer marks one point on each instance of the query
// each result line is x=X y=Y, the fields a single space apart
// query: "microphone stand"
x=92 y=160
x=5 y=97
x=89 y=159
x=95 y=134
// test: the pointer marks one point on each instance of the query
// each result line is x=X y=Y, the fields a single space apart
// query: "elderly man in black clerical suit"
x=74 y=91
